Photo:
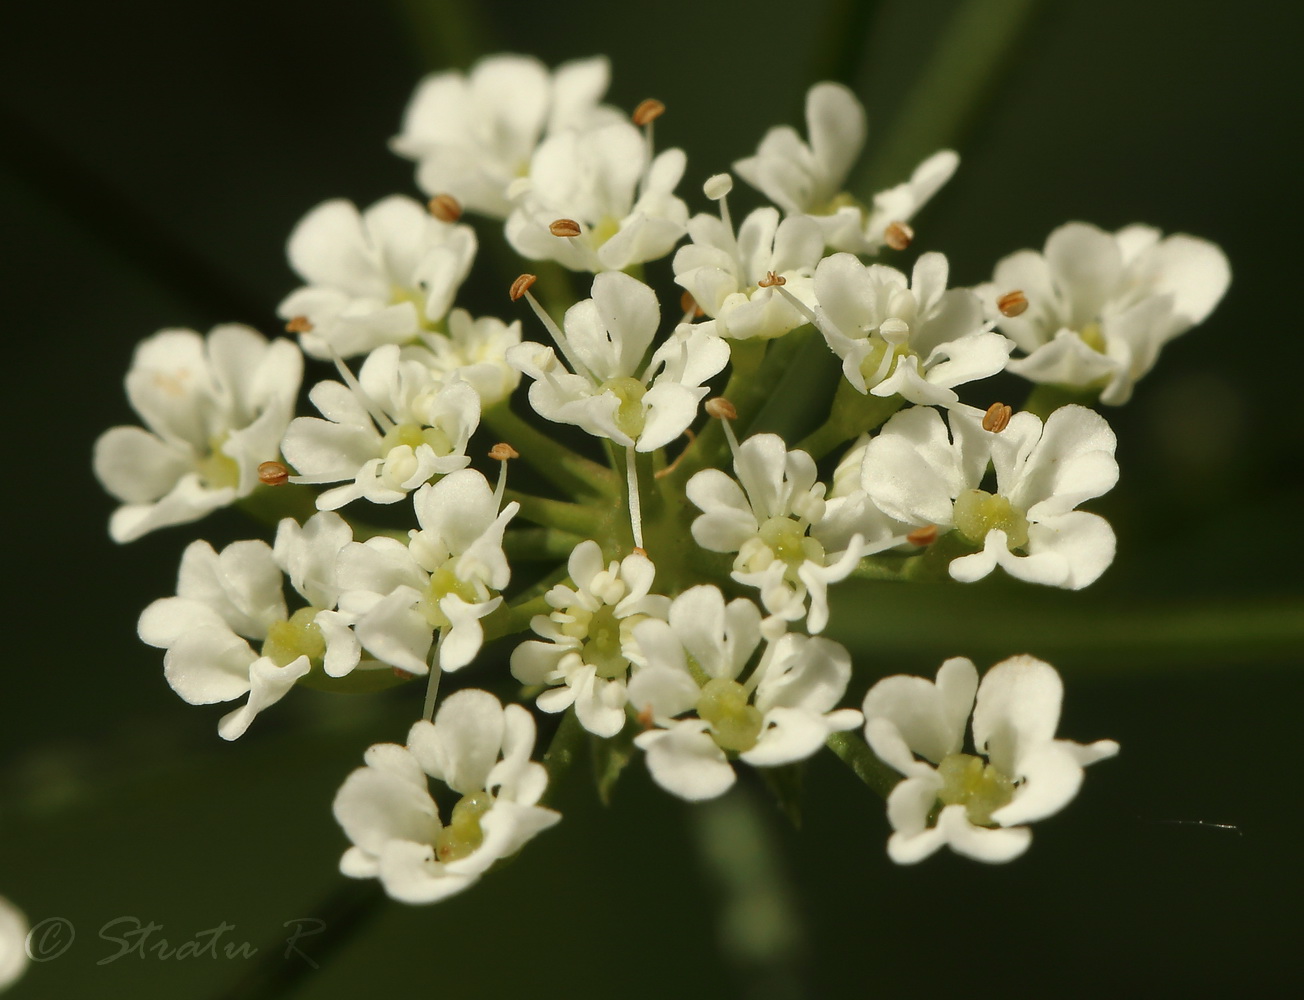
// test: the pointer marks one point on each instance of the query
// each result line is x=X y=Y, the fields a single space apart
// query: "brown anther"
x=689 y=304
x=503 y=451
x=647 y=111
x=445 y=208
x=640 y=551
x=645 y=718
x=273 y=474
x=564 y=227
x=720 y=408
x=923 y=536
x=771 y=279
x=402 y=674
x=522 y=285
x=997 y=417
x=1012 y=304
x=298 y=324
x=898 y=235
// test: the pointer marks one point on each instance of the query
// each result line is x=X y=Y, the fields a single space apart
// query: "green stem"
x=540 y=544
x=975 y=46
x=269 y=505
x=856 y=754
x=578 y=519
x=510 y=619
x=566 y=745
x=853 y=414
x=1046 y=399
x=568 y=471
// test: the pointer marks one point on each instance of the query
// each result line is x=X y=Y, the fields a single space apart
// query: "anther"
x=521 y=285
x=298 y=324
x=1012 y=304
x=923 y=536
x=402 y=674
x=689 y=305
x=645 y=718
x=564 y=227
x=997 y=417
x=771 y=279
x=502 y=452
x=640 y=551
x=273 y=474
x=717 y=186
x=445 y=208
x=647 y=111
x=898 y=235
x=720 y=408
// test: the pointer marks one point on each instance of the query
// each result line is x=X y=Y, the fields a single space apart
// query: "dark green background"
x=156 y=155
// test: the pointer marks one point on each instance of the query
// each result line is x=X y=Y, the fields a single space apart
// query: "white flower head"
x=975 y=805
x=13 y=943
x=379 y=277
x=590 y=637
x=478 y=749
x=779 y=713
x=1100 y=306
x=230 y=600
x=448 y=576
x=1029 y=527
x=732 y=276
x=915 y=339
x=605 y=339
x=606 y=182
x=775 y=521
x=397 y=427
x=215 y=408
x=473 y=135
x=475 y=351
x=808 y=177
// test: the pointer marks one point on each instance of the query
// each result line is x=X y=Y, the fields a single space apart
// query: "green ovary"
x=1093 y=337
x=735 y=724
x=607 y=227
x=788 y=541
x=879 y=349
x=980 y=789
x=629 y=415
x=602 y=645
x=300 y=636
x=978 y=512
x=463 y=834
x=839 y=201
x=443 y=582
x=217 y=469
x=415 y=435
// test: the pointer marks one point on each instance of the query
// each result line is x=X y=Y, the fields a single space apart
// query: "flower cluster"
x=673 y=567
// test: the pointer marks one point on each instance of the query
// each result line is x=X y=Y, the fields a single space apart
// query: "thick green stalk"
x=857 y=755
x=853 y=414
x=568 y=471
x=578 y=519
x=508 y=620
x=567 y=744
x=540 y=544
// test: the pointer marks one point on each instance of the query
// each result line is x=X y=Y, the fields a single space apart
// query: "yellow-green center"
x=463 y=834
x=444 y=581
x=979 y=787
x=217 y=469
x=601 y=648
x=1093 y=337
x=879 y=349
x=978 y=512
x=299 y=636
x=630 y=392
x=415 y=435
x=788 y=540
x=735 y=724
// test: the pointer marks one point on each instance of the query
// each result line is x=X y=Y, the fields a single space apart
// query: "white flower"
x=1023 y=773
x=226 y=600
x=768 y=527
x=604 y=180
x=782 y=712
x=918 y=340
x=376 y=278
x=215 y=407
x=481 y=751
x=591 y=642
x=723 y=271
x=605 y=340
x=474 y=135
x=916 y=474
x=810 y=177
x=13 y=943
x=1100 y=306
x=396 y=428
x=473 y=350
x=447 y=576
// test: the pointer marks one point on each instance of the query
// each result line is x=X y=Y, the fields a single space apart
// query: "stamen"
x=690 y=307
x=717 y=188
x=647 y=112
x=298 y=324
x=898 y=235
x=645 y=718
x=502 y=452
x=771 y=280
x=997 y=417
x=635 y=504
x=273 y=474
x=801 y=307
x=923 y=536
x=564 y=228
x=724 y=411
x=432 y=685
x=445 y=208
x=521 y=285
x=1012 y=304
x=377 y=414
